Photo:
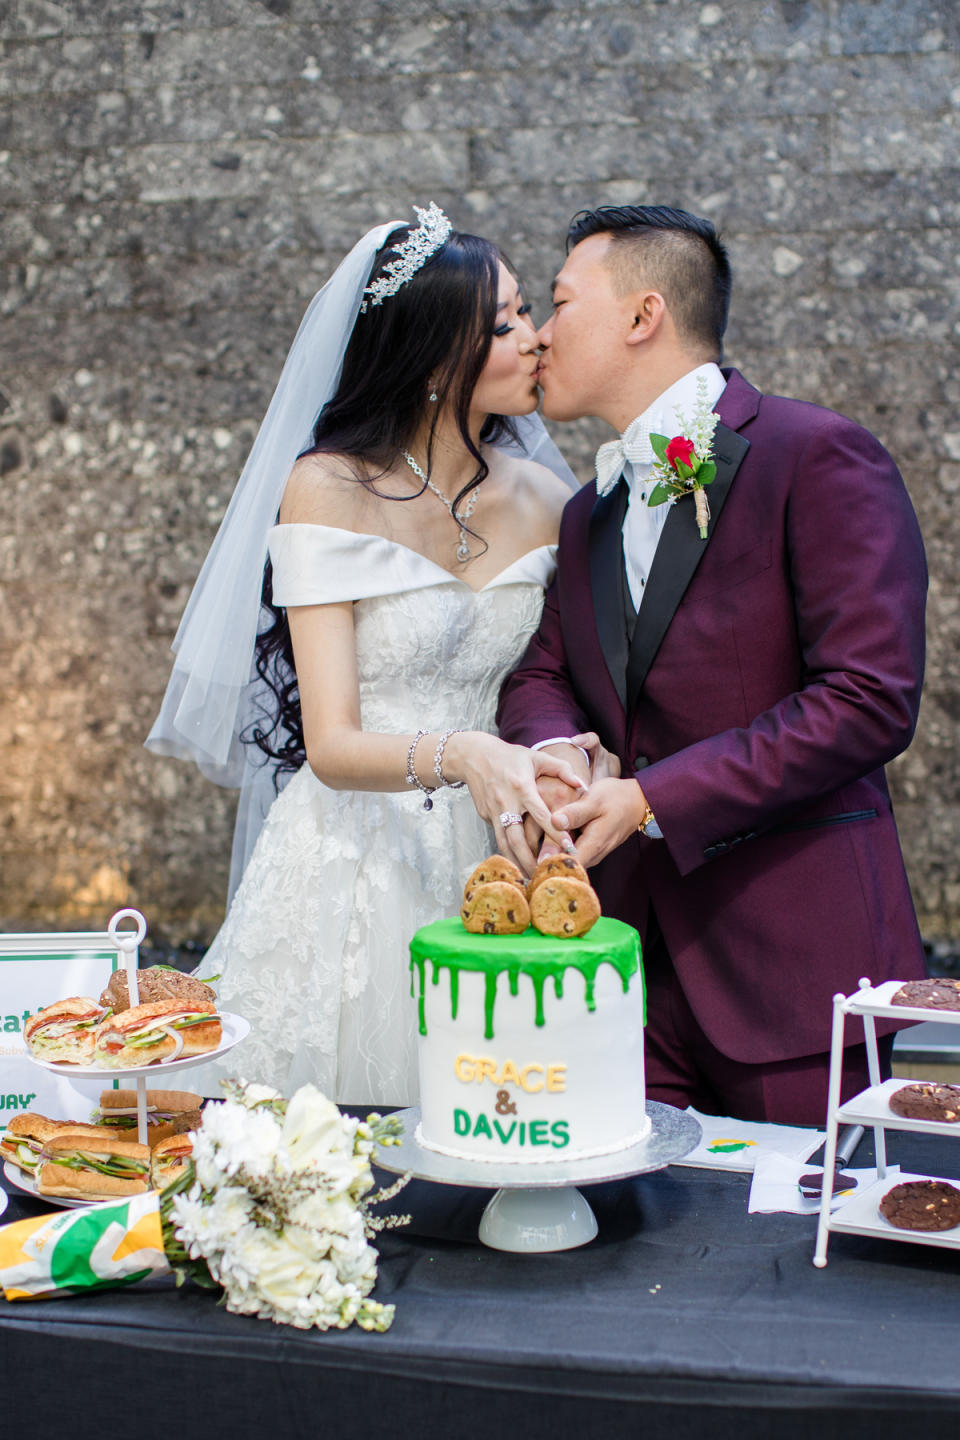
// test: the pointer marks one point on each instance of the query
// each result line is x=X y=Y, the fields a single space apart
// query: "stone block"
x=602 y=153
x=342 y=165
x=861 y=26
x=67 y=65
x=648 y=33
x=902 y=142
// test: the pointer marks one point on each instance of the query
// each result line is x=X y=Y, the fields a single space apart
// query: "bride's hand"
x=503 y=781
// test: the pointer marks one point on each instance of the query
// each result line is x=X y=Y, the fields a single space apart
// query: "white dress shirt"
x=642 y=527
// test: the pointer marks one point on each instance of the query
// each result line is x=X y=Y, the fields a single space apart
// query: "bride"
x=400 y=583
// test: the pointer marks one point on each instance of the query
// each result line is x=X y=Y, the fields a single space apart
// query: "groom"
x=752 y=684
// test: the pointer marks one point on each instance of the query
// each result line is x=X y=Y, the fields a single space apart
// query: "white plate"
x=25 y=1182
x=4 y=1197
x=861 y=1216
x=878 y=1000
x=872 y=1107
x=235 y=1029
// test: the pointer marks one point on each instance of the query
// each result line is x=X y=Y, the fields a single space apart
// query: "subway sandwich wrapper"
x=100 y=1247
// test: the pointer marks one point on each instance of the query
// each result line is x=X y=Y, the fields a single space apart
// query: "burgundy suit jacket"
x=773 y=671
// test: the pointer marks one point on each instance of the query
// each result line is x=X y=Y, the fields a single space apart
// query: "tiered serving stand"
x=861 y=1215
x=234 y=1027
x=538 y=1207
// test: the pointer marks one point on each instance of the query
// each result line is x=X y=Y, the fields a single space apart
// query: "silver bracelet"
x=412 y=778
x=438 y=761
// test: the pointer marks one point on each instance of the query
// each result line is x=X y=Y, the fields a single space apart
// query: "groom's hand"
x=609 y=813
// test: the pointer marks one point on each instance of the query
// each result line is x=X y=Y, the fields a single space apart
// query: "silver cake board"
x=538 y=1207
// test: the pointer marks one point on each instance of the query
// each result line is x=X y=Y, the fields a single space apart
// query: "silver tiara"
x=430 y=234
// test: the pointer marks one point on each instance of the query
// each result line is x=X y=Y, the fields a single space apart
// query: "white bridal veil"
x=213 y=692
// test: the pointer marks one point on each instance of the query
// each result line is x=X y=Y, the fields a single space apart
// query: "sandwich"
x=163 y=1030
x=156 y=982
x=169 y=1160
x=92 y=1167
x=27 y=1134
x=65 y=1030
x=169 y=1112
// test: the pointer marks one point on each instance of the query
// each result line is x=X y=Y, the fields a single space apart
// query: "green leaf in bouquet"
x=659 y=495
x=659 y=445
x=706 y=473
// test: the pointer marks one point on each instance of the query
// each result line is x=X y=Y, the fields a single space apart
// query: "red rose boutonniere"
x=684 y=465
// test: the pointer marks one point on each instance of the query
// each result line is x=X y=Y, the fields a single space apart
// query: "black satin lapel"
x=606 y=564
x=678 y=554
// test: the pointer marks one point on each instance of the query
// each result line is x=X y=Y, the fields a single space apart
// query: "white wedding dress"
x=314 y=950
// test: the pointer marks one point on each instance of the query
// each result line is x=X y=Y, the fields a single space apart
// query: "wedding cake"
x=531 y=1045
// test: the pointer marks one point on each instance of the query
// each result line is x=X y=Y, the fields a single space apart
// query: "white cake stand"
x=538 y=1207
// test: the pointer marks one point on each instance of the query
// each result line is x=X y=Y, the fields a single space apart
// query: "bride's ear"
x=647 y=311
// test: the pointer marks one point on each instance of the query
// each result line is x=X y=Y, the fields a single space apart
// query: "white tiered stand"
x=128 y=942
x=861 y=1215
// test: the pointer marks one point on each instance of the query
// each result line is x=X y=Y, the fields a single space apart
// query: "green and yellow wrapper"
x=96 y=1248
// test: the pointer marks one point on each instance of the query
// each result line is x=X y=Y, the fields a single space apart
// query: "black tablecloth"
x=686 y=1317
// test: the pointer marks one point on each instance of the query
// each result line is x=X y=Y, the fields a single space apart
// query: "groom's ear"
x=647 y=310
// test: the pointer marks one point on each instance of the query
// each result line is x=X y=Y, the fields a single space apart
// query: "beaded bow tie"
x=633 y=445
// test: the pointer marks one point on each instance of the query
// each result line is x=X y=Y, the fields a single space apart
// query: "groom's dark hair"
x=679 y=253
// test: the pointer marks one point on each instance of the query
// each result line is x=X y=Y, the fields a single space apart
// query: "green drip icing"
x=417 y=964
x=538 y=1019
x=489 y=998
x=618 y=946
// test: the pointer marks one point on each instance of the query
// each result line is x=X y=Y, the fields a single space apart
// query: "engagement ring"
x=510 y=817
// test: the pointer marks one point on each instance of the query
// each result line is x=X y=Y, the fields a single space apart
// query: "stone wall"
x=178 y=178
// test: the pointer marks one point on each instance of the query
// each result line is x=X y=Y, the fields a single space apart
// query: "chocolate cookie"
x=927 y=1101
x=495 y=867
x=562 y=866
x=936 y=994
x=496 y=908
x=564 y=907
x=922 y=1205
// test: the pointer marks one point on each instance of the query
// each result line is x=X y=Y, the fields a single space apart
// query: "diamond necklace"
x=463 y=549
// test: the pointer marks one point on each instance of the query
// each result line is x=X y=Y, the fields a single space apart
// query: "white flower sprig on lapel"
x=685 y=464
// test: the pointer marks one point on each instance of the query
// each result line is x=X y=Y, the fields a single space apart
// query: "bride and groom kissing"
x=702 y=704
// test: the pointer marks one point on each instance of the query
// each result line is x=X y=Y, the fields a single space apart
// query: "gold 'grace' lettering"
x=532 y=1078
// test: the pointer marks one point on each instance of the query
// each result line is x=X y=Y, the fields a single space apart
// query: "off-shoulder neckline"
x=364 y=536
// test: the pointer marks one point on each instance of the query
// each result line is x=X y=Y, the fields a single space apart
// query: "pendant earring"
x=433 y=397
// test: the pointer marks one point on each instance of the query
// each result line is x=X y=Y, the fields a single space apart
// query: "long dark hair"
x=432 y=337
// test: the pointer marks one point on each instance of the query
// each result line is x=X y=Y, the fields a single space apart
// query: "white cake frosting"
x=531 y=1047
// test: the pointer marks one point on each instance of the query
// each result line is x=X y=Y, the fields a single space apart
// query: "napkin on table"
x=775 y=1185
x=728 y=1144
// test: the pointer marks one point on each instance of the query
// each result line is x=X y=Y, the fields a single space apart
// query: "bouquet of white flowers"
x=275 y=1208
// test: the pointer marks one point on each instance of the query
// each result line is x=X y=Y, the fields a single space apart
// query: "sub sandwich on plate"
x=169 y=1159
x=26 y=1135
x=157 y=982
x=92 y=1167
x=163 y=1030
x=169 y=1112
x=65 y=1031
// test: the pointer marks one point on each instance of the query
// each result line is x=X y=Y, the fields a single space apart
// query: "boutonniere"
x=684 y=464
